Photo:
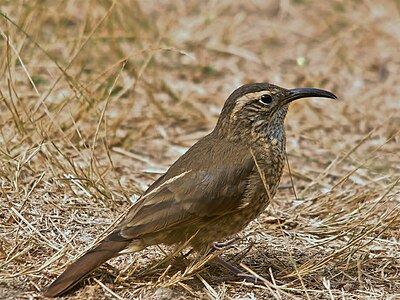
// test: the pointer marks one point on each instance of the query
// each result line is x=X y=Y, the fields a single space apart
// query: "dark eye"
x=266 y=99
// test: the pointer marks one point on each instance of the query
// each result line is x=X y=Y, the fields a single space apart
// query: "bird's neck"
x=266 y=142
x=269 y=148
x=269 y=154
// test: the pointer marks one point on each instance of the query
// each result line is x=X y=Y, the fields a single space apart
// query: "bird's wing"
x=189 y=192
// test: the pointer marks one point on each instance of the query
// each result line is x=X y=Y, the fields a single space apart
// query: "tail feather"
x=107 y=249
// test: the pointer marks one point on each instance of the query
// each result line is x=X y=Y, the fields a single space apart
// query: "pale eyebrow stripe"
x=245 y=99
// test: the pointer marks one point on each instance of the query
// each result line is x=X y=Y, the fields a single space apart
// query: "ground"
x=98 y=98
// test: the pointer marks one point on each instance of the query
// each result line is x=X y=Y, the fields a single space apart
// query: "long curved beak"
x=299 y=93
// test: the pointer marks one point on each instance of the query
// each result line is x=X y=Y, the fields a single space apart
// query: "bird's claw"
x=224 y=245
x=246 y=277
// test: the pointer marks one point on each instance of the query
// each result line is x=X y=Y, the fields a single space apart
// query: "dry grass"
x=99 y=97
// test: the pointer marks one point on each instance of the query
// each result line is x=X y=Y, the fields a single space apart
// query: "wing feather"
x=188 y=193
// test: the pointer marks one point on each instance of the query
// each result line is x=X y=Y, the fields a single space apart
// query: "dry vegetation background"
x=99 y=97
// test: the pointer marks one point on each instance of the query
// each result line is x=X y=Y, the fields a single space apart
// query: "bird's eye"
x=266 y=99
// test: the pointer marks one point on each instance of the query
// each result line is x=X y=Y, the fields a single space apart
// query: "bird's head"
x=261 y=105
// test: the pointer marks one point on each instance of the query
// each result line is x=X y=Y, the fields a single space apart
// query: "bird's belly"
x=204 y=231
x=231 y=223
x=227 y=225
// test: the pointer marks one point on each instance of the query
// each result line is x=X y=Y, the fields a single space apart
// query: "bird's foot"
x=239 y=274
x=224 y=245
x=246 y=277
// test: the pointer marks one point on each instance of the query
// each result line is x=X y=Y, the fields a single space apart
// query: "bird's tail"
x=111 y=246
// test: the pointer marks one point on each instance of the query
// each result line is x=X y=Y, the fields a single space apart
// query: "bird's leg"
x=224 y=245
x=238 y=273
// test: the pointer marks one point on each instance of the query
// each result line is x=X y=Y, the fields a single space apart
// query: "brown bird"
x=214 y=190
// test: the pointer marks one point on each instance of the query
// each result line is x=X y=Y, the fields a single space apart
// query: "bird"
x=214 y=190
